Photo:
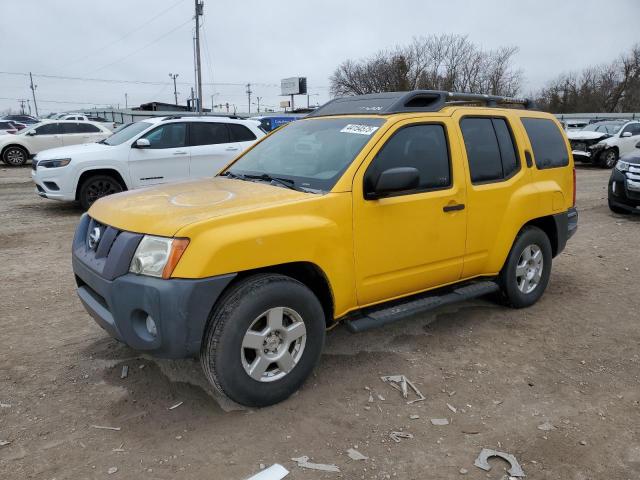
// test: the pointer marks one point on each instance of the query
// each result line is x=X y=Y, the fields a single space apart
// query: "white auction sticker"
x=359 y=129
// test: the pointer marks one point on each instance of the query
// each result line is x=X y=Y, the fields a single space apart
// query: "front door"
x=166 y=159
x=211 y=148
x=628 y=144
x=413 y=240
x=46 y=136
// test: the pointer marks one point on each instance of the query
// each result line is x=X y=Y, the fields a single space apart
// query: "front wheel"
x=95 y=187
x=608 y=158
x=15 y=156
x=525 y=275
x=263 y=340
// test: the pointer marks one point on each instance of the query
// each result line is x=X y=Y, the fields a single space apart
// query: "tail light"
x=574 y=186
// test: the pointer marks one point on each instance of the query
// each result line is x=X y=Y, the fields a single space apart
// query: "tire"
x=97 y=186
x=15 y=156
x=618 y=210
x=240 y=319
x=518 y=276
x=608 y=158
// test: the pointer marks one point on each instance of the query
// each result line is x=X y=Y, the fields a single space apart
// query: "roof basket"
x=414 y=101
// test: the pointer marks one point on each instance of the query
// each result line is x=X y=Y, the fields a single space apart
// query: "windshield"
x=126 y=133
x=603 y=127
x=310 y=153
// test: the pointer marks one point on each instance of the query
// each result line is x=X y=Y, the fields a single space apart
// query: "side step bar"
x=372 y=318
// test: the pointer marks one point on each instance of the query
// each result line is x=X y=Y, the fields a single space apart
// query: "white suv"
x=16 y=149
x=149 y=152
x=602 y=143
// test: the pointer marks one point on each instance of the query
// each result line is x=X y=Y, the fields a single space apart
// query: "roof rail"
x=387 y=103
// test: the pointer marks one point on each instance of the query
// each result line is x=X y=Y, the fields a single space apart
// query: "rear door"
x=74 y=133
x=211 y=148
x=628 y=144
x=166 y=159
x=46 y=136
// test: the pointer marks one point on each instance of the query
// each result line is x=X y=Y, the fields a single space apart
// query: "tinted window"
x=88 y=128
x=171 y=135
x=510 y=164
x=423 y=147
x=48 y=129
x=240 y=133
x=549 y=149
x=69 y=128
x=208 y=133
x=126 y=132
x=483 y=151
x=634 y=128
x=5 y=125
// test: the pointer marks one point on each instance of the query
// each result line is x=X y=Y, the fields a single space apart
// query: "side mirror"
x=30 y=133
x=638 y=145
x=626 y=134
x=394 y=180
x=142 y=143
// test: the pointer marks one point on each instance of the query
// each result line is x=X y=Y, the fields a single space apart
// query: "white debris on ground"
x=356 y=455
x=173 y=407
x=112 y=470
x=303 y=462
x=452 y=408
x=440 y=421
x=4 y=442
x=5 y=405
x=402 y=384
x=274 y=472
x=100 y=427
x=546 y=427
x=125 y=371
x=398 y=436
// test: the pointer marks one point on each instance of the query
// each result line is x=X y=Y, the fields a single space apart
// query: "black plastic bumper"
x=179 y=308
x=622 y=196
x=566 y=227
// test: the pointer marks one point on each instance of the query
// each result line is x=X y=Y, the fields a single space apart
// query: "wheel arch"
x=549 y=226
x=307 y=273
x=6 y=147
x=99 y=171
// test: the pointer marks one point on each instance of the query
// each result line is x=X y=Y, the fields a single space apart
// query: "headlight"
x=55 y=163
x=157 y=256
x=622 y=166
x=598 y=146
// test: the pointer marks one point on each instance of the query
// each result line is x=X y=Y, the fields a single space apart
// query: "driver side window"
x=170 y=135
x=634 y=128
x=423 y=147
x=48 y=129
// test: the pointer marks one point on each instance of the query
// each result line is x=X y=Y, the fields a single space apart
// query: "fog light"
x=151 y=326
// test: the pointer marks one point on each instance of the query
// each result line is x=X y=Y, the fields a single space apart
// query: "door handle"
x=453 y=208
x=231 y=149
x=180 y=153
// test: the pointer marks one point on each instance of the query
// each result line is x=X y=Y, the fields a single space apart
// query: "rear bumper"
x=566 y=227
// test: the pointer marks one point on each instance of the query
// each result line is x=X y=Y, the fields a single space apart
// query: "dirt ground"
x=571 y=362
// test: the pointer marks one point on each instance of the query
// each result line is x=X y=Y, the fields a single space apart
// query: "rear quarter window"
x=549 y=148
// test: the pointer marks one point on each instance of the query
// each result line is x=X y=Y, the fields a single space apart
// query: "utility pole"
x=126 y=101
x=192 y=99
x=199 y=8
x=258 y=100
x=29 y=105
x=175 y=90
x=22 y=102
x=33 y=92
x=249 y=92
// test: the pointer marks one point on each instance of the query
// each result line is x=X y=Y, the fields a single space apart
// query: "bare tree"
x=442 y=62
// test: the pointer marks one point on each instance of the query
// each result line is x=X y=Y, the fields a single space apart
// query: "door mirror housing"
x=626 y=134
x=142 y=143
x=30 y=133
x=638 y=145
x=394 y=180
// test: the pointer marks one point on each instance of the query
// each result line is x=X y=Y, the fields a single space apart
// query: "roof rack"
x=414 y=101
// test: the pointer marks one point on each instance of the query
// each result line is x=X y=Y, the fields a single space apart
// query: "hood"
x=165 y=209
x=73 y=150
x=586 y=135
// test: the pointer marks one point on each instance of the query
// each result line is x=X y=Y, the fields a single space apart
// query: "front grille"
x=580 y=146
x=34 y=164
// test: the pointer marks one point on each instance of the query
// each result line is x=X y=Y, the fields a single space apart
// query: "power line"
x=142 y=48
x=126 y=35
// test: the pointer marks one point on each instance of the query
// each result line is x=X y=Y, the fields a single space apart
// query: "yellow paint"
x=370 y=251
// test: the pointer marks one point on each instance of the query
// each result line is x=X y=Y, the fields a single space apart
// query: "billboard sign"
x=293 y=86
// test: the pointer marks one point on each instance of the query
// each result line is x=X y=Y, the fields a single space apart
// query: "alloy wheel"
x=101 y=188
x=529 y=269
x=273 y=344
x=15 y=156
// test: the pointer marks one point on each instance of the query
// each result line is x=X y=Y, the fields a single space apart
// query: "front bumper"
x=53 y=183
x=624 y=189
x=179 y=308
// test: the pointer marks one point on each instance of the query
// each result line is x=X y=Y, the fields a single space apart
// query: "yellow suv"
x=372 y=209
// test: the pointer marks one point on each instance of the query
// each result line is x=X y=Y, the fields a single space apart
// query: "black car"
x=26 y=119
x=624 y=184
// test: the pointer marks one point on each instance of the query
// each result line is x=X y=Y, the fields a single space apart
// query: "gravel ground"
x=569 y=364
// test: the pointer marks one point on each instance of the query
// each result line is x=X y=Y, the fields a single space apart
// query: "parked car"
x=571 y=124
x=602 y=143
x=412 y=204
x=271 y=122
x=26 y=119
x=153 y=151
x=624 y=184
x=17 y=149
x=17 y=125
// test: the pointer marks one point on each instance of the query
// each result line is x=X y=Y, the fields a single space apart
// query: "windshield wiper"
x=285 y=182
x=103 y=141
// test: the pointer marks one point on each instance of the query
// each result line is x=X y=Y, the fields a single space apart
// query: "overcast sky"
x=261 y=42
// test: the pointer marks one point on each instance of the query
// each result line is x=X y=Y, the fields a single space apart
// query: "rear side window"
x=72 y=128
x=208 y=133
x=549 y=149
x=240 y=133
x=490 y=149
x=5 y=125
x=423 y=147
x=88 y=128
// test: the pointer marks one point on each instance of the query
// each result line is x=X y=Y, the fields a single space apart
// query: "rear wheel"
x=525 y=275
x=97 y=186
x=608 y=158
x=263 y=339
x=15 y=156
